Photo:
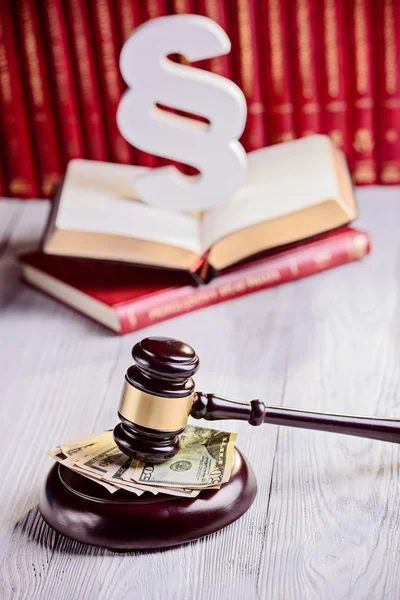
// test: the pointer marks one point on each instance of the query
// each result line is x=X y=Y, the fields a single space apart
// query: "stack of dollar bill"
x=204 y=461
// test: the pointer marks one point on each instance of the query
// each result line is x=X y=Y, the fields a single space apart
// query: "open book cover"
x=293 y=191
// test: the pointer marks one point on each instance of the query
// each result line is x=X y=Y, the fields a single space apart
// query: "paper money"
x=66 y=461
x=110 y=464
x=72 y=451
x=77 y=444
x=204 y=462
x=113 y=466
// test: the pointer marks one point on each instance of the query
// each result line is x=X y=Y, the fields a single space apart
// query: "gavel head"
x=156 y=399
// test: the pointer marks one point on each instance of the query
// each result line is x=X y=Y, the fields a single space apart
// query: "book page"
x=280 y=180
x=101 y=197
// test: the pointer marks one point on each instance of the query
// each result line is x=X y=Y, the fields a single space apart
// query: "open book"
x=292 y=191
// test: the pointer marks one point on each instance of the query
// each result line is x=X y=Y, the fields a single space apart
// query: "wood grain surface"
x=326 y=521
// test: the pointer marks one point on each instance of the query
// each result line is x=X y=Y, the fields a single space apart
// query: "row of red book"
x=305 y=66
x=125 y=298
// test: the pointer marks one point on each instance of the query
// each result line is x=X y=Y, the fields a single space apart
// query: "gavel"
x=159 y=395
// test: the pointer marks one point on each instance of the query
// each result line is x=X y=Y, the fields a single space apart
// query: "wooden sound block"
x=84 y=511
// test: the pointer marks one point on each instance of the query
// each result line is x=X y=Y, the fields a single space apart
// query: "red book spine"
x=41 y=107
x=153 y=10
x=111 y=81
x=389 y=91
x=307 y=50
x=217 y=11
x=87 y=80
x=129 y=16
x=277 y=71
x=181 y=7
x=363 y=156
x=322 y=254
x=14 y=128
x=245 y=50
x=59 y=53
x=335 y=74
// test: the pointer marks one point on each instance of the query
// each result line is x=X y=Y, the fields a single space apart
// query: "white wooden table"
x=326 y=521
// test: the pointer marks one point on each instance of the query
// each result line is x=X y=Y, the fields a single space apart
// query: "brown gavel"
x=159 y=396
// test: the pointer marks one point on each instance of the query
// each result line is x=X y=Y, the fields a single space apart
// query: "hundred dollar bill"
x=204 y=460
x=115 y=468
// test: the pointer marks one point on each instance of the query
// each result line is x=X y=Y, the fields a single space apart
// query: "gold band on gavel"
x=154 y=412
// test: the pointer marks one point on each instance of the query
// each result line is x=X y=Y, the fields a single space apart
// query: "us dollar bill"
x=77 y=444
x=80 y=449
x=102 y=459
x=204 y=460
x=66 y=461
x=108 y=462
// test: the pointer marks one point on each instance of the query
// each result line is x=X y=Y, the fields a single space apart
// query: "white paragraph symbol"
x=212 y=148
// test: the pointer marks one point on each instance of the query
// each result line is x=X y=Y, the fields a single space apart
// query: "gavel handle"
x=212 y=407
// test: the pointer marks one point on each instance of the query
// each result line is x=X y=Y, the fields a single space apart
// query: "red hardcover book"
x=107 y=50
x=153 y=10
x=277 y=71
x=217 y=11
x=306 y=30
x=41 y=106
x=60 y=57
x=363 y=161
x=181 y=7
x=335 y=91
x=14 y=128
x=131 y=14
x=389 y=91
x=126 y=298
x=246 y=57
x=87 y=80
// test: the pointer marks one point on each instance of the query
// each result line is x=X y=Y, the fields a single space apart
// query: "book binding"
x=363 y=156
x=389 y=90
x=307 y=44
x=275 y=55
x=87 y=81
